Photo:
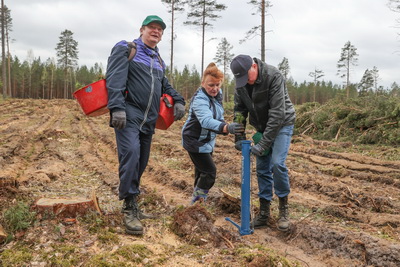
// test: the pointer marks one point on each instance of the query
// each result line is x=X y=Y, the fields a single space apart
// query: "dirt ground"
x=344 y=205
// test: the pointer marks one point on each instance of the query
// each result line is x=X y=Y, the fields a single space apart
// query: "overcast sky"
x=309 y=33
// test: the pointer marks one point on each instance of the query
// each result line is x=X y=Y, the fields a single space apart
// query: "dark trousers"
x=205 y=170
x=133 y=156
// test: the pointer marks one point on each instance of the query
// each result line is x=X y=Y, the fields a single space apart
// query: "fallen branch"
x=229 y=243
x=338 y=132
x=308 y=128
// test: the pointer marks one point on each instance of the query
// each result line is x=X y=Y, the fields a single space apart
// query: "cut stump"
x=3 y=234
x=66 y=207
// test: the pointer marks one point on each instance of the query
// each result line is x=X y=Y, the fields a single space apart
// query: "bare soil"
x=344 y=207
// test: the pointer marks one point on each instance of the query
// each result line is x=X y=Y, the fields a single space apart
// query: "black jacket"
x=268 y=105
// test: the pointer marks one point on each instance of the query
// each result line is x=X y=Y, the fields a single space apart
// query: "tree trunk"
x=263 y=30
x=3 y=50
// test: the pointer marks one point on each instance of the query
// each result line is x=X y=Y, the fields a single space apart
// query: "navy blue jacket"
x=137 y=86
x=205 y=121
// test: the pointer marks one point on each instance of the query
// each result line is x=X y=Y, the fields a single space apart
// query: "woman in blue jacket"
x=205 y=121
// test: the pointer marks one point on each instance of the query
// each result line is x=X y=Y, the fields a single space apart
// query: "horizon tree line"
x=51 y=81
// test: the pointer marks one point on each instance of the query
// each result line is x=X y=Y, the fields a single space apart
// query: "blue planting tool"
x=244 y=228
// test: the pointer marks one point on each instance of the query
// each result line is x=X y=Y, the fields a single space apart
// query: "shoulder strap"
x=132 y=53
x=132 y=50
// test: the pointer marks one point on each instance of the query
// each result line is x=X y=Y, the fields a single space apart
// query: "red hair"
x=213 y=71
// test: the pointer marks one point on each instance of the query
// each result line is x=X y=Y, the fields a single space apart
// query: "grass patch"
x=94 y=222
x=18 y=217
x=62 y=255
x=106 y=236
x=16 y=256
x=134 y=253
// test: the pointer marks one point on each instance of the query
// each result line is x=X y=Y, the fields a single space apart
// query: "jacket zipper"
x=151 y=93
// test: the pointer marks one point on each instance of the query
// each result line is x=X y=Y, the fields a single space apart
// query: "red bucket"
x=166 y=113
x=93 y=98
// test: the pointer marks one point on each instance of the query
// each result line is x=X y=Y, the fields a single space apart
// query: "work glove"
x=259 y=151
x=235 y=128
x=238 y=145
x=179 y=111
x=118 y=119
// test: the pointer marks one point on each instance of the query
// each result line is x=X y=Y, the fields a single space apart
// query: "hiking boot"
x=132 y=223
x=262 y=218
x=283 y=220
x=199 y=195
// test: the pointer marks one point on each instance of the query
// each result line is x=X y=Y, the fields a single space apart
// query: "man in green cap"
x=135 y=86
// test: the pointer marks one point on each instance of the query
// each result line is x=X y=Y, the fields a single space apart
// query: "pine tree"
x=67 y=54
x=316 y=74
x=7 y=29
x=223 y=57
x=284 y=67
x=366 y=84
x=394 y=5
x=348 y=58
x=3 y=50
x=262 y=7
x=201 y=13
x=173 y=7
x=375 y=76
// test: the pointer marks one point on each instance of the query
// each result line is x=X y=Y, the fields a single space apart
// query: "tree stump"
x=3 y=234
x=66 y=207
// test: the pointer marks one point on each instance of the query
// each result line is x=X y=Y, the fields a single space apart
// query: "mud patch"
x=196 y=225
x=365 y=249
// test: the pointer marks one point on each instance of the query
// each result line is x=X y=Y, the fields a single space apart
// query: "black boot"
x=262 y=218
x=133 y=226
x=283 y=221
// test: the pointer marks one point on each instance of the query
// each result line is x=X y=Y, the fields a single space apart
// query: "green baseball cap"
x=154 y=18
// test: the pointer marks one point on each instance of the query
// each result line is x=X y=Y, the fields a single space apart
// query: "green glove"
x=256 y=139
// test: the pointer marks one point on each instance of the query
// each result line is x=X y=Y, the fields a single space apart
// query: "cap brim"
x=163 y=26
x=241 y=81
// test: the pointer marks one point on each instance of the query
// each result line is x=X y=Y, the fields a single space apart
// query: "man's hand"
x=179 y=111
x=118 y=119
x=235 y=128
x=259 y=151
x=238 y=145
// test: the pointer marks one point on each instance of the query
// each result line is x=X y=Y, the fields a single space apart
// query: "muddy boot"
x=133 y=226
x=198 y=194
x=283 y=221
x=262 y=218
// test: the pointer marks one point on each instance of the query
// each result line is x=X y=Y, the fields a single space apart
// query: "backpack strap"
x=132 y=50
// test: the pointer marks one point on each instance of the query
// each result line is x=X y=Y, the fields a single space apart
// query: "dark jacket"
x=205 y=121
x=137 y=86
x=268 y=106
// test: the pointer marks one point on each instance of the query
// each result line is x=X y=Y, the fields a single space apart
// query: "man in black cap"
x=262 y=96
x=135 y=86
